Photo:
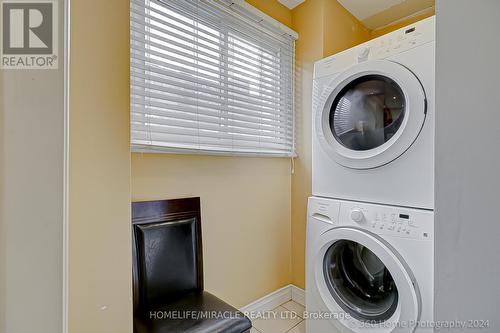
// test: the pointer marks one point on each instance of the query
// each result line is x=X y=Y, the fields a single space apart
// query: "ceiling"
x=379 y=13
x=363 y=9
x=291 y=4
x=376 y=14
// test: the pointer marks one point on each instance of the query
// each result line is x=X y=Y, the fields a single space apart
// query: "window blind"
x=208 y=76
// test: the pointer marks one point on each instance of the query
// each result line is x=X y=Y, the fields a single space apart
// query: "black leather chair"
x=168 y=273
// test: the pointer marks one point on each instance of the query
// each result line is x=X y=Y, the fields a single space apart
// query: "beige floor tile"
x=295 y=307
x=300 y=328
x=279 y=322
x=254 y=330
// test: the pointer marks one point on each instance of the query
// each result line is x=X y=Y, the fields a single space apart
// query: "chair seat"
x=196 y=312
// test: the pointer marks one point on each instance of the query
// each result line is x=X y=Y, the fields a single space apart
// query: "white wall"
x=468 y=161
x=31 y=198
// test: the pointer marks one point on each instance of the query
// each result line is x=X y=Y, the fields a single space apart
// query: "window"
x=209 y=76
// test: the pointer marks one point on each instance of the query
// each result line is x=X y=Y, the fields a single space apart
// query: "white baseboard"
x=276 y=298
x=298 y=295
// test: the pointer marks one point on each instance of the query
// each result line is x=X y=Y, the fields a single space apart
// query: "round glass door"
x=367 y=112
x=359 y=281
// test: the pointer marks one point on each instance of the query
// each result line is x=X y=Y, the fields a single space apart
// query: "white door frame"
x=409 y=303
x=414 y=117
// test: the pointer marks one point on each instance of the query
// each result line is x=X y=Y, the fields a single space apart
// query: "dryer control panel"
x=379 y=219
x=395 y=42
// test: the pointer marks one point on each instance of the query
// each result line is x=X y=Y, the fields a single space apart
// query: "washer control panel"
x=379 y=219
x=388 y=220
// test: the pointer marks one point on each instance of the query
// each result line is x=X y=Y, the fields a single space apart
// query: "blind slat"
x=185 y=81
x=177 y=31
x=217 y=73
x=194 y=12
x=229 y=128
x=210 y=119
x=206 y=79
x=208 y=60
x=194 y=134
x=179 y=88
x=257 y=117
x=196 y=47
x=196 y=99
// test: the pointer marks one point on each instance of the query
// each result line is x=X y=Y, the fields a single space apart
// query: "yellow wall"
x=274 y=9
x=99 y=175
x=245 y=216
x=341 y=29
x=308 y=22
x=324 y=28
x=245 y=209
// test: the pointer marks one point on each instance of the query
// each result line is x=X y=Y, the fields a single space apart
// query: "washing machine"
x=369 y=267
x=373 y=120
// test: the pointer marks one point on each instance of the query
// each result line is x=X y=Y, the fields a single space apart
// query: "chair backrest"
x=167 y=251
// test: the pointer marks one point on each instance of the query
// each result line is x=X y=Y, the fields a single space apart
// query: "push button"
x=412 y=224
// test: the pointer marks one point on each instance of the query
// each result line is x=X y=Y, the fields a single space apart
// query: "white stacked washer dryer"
x=370 y=248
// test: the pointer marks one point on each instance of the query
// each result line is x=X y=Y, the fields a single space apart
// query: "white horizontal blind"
x=206 y=78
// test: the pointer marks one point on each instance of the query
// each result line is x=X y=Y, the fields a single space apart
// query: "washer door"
x=370 y=114
x=359 y=275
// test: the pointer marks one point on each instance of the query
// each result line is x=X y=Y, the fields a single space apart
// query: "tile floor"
x=286 y=318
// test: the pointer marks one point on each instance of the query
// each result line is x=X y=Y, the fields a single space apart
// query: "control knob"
x=363 y=54
x=357 y=215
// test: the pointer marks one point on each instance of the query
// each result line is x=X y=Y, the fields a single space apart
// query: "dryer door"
x=360 y=276
x=370 y=114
